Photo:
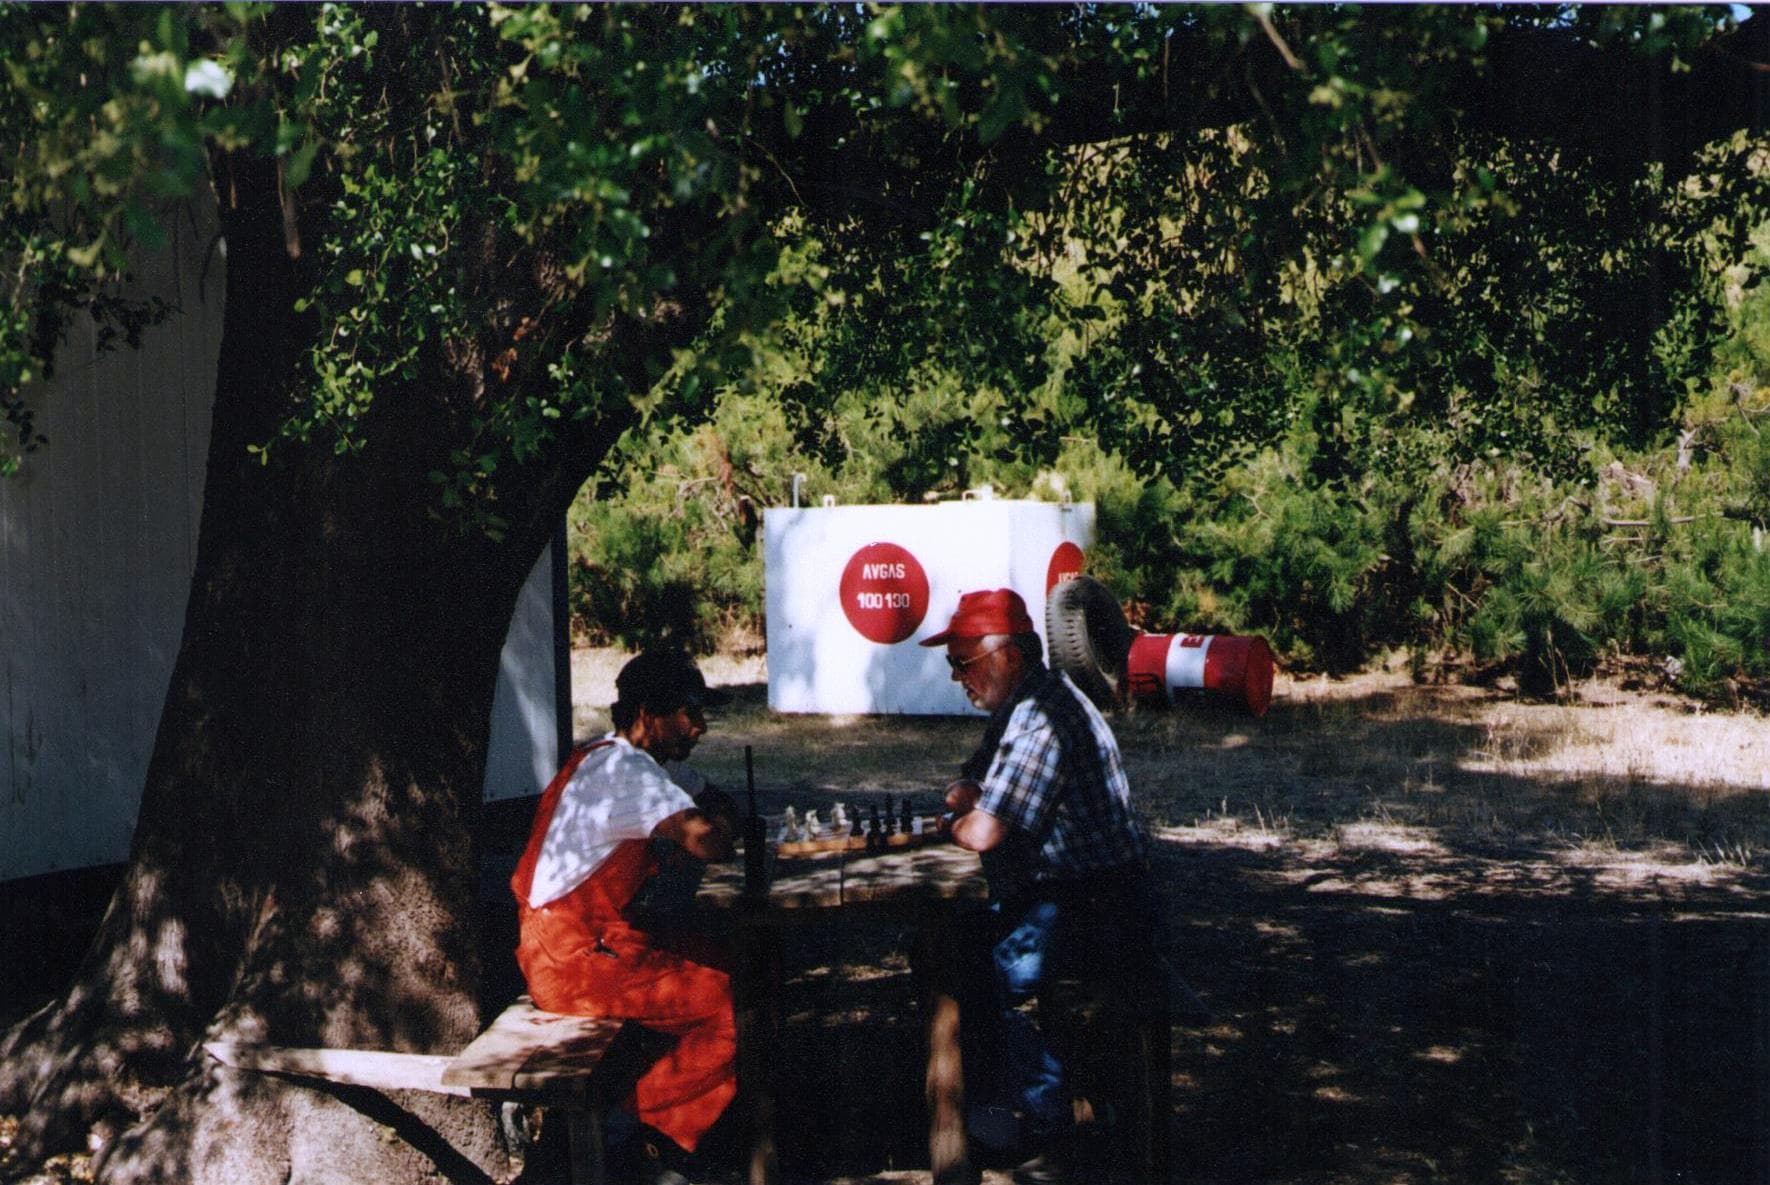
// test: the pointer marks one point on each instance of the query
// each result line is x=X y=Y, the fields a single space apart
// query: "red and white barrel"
x=1166 y=668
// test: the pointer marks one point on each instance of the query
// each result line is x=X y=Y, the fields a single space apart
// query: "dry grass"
x=1448 y=936
x=1370 y=763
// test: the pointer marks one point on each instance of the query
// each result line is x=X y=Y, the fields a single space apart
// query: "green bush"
x=1521 y=472
x=665 y=548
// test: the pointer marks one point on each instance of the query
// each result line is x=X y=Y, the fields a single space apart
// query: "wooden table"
x=936 y=882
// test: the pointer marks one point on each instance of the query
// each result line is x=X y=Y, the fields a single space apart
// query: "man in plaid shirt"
x=1045 y=801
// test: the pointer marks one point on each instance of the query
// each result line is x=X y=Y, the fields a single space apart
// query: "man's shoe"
x=992 y=1125
x=649 y=1158
x=1050 y=1167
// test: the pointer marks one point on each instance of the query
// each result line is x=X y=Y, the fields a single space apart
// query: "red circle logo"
x=1066 y=561
x=884 y=593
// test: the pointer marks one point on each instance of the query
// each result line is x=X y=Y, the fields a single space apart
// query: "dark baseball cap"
x=663 y=681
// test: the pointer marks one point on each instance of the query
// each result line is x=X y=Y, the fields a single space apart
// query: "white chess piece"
x=790 y=826
x=839 y=817
x=812 y=824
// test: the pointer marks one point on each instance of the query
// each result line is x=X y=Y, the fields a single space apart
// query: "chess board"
x=802 y=849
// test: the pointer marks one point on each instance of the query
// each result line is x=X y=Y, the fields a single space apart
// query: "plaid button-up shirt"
x=1050 y=770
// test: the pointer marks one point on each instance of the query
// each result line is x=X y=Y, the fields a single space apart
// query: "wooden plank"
x=811 y=883
x=526 y=1049
x=380 y=1069
x=808 y=884
x=925 y=871
x=935 y=872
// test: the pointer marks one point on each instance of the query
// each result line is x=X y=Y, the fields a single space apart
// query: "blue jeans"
x=1113 y=917
x=1022 y=962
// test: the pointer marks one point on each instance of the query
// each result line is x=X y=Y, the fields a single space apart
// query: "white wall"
x=524 y=749
x=97 y=541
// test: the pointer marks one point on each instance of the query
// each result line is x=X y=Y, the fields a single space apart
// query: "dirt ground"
x=1447 y=936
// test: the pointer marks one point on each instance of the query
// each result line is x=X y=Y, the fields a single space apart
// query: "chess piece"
x=839 y=818
x=790 y=826
x=875 y=831
x=890 y=817
x=907 y=817
x=813 y=824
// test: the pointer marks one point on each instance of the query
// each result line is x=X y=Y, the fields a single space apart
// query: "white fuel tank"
x=852 y=589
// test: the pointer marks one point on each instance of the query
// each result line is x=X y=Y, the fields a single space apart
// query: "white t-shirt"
x=617 y=793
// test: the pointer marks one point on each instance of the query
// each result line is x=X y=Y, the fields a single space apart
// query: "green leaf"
x=300 y=163
x=1371 y=240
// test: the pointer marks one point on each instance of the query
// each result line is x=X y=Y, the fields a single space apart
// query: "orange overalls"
x=580 y=956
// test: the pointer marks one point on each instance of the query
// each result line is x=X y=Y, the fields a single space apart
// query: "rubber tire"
x=1088 y=637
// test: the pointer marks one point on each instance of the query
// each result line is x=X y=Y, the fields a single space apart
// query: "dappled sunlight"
x=1226 y=831
x=1388 y=837
x=1415 y=885
x=1636 y=742
x=1276 y=932
x=1443 y=1055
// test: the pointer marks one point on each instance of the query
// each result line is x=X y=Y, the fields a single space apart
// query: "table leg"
x=1155 y=1096
x=944 y=1088
x=756 y=990
x=584 y=1139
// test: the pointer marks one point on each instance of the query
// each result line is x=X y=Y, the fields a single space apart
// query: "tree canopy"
x=485 y=198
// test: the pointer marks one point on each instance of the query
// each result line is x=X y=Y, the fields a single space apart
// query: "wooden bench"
x=525 y=1055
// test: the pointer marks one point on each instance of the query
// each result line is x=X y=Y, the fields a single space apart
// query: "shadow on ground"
x=1362 y=1038
x=1464 y=1003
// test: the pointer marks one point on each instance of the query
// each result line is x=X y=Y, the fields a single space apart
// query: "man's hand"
x=706 y=829
x=720 y=808
x=971 y=828
x=962 y=795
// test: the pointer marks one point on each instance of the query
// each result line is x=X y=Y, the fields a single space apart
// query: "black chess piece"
x=890 y=817
x=875 y=831
x=907 y=820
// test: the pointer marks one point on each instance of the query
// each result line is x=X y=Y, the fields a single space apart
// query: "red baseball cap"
x=980 y=614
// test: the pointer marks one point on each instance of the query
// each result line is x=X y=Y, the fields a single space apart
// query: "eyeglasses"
x=959 y=664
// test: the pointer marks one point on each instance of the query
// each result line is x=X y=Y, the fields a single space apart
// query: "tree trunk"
x=303 y=870
x=302 y=875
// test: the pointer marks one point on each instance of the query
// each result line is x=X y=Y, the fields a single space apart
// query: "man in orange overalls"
x=588 y=854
